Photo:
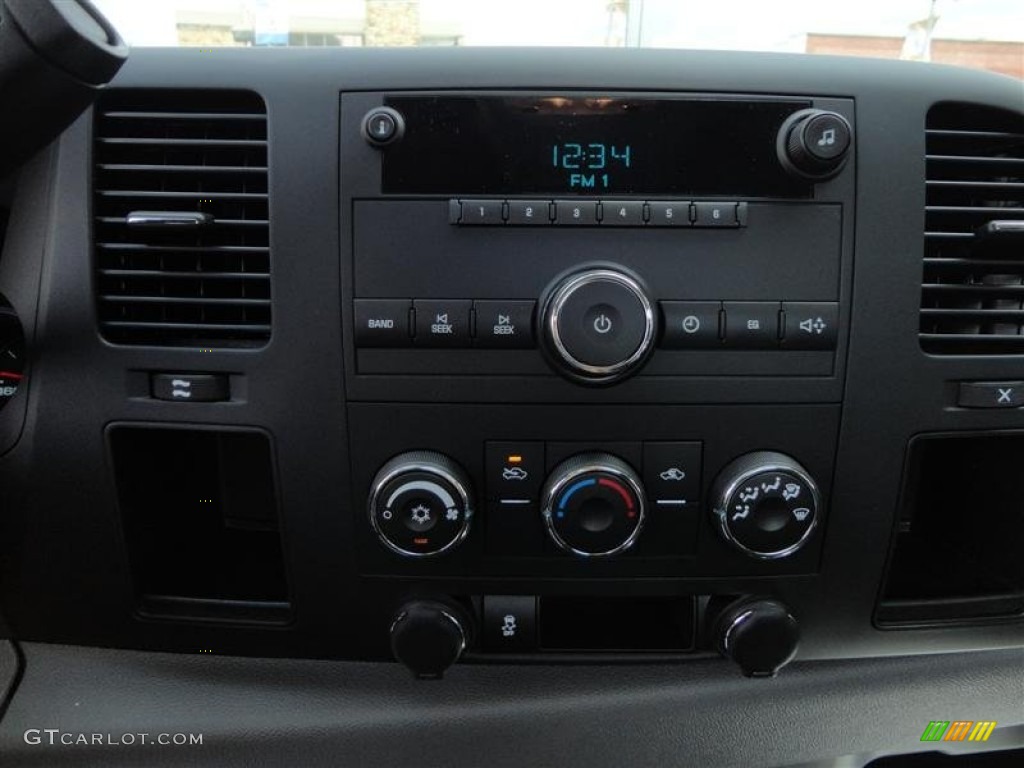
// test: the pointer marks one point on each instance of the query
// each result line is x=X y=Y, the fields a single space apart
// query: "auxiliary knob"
x=599 y=325
x=593 y=505
x=428 y=636
x=420 y=504
x=814 y=144
x=759 y=634
x=765 y=504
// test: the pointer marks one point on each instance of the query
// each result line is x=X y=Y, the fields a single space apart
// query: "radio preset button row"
x=802 y=325
x=592 y=213
x=455 y=323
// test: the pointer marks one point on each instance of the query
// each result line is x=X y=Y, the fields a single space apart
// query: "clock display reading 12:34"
x=591 y=165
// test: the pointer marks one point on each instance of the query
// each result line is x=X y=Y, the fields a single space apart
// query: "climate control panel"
x=594 y=504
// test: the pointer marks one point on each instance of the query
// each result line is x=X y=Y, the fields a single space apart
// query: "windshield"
x=986 y=34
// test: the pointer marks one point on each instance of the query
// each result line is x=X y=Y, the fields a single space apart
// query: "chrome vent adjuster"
x=181 y=230
x=972 y=299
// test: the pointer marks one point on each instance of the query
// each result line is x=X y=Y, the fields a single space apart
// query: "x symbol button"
x=1005 y=395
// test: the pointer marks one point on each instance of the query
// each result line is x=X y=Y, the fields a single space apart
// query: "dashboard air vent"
x=182 y=218
x=973 y=294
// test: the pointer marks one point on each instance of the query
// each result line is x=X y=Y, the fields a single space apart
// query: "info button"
x=691 y=324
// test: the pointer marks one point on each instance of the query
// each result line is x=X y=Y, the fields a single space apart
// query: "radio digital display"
x=589 y=145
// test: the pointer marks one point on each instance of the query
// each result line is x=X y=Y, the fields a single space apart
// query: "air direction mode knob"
x=766 y=505
x=814 y=144
x=593 y=505
x=420 y=504
x=598 y=325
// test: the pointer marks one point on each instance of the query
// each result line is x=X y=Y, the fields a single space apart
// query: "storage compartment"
x=957 y=555
x=616 y=624
x=201 y=524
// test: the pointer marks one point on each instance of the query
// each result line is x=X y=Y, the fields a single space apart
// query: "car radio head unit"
x=589 y=145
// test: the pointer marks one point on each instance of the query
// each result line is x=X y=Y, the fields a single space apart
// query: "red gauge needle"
x=10 y=375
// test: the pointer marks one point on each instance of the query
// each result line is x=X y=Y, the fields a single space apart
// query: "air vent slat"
x=215 y=117
x=972 y=291
x=177 y=143
x=246 y=328
x=166 y=156
x=143 y=273
x=975 y=160
x=170 y=168
x=198 y=300
x=190 y=196
x=218 y=223
x=933 y=133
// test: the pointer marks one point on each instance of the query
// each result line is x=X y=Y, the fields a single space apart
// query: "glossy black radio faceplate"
x=567 y=143
x=432 y=270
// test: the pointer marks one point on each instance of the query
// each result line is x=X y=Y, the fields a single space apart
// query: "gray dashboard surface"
x=283 y=712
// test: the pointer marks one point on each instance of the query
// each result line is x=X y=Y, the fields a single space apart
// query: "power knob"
x=420 y=504
x=598 y=325
x=814 y=144
x=766 y=505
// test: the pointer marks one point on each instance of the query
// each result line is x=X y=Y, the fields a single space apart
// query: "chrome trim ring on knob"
x=625 y=474
x=463 y=641
x=566 y=290
x=426 y=462
x=721 y=503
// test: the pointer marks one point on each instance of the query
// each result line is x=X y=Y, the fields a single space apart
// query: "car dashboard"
x=667 y=405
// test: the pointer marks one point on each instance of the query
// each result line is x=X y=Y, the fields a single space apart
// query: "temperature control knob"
x=599 y=326
x=420 y=504
x=594 y=505
x=766 y=504
x=814 y=144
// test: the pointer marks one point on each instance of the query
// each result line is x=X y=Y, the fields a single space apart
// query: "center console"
x=592 y=337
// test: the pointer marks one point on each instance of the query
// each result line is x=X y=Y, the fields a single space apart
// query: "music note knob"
x=814 y=144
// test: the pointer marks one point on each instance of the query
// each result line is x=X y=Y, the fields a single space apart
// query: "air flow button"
x=190 y=387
